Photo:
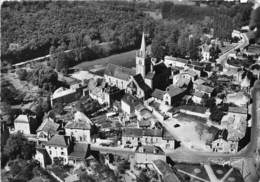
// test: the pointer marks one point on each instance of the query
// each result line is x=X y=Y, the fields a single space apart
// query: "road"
x=243 y=43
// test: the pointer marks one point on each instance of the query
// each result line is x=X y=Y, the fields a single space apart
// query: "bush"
x=21 y=73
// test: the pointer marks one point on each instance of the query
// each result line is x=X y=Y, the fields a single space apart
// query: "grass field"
x=126 y=59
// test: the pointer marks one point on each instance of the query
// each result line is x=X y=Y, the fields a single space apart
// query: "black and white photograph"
x=130 y=90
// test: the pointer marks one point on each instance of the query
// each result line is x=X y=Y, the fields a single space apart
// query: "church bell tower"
x=141 y=57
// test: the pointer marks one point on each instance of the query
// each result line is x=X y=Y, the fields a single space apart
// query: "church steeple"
x=143 y=47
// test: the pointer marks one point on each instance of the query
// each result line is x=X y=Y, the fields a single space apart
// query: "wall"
x=80 y=135
x=148 y=158
x=56 y=151
x=23 y=127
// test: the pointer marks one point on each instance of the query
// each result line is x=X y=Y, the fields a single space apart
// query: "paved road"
x=186 y=155
x=243 y=43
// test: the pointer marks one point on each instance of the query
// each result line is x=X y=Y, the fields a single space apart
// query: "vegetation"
x=71 y=24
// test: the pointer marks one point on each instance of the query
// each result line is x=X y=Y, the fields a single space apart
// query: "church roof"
x=119 y=72
x=140 y=81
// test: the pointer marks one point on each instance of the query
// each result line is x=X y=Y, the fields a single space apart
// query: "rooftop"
x=174 y=91
x=58 y=140
x=240 y=110
x=139 y=132
x=48 y=126
x=79 y=151
x=204 y=88
x=158 y=94
x=119 y=72
x=22 y=118
x=130 y=100
x=140 y=82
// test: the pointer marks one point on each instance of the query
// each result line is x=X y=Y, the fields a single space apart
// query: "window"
x=62 y=153
x=50 y=152
x=217 y=144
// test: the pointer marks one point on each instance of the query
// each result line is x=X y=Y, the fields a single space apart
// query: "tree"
x=17 y=145
x=58 y=107
x=86 y=178
x=143 y=177
x=216 y=115
x=157 y=48
x=21 y=73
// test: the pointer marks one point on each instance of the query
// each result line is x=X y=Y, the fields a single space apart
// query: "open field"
x=126 y=59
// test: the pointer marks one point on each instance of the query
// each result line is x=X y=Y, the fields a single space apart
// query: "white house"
x=170 y=61
x=23 y=123
x=146 y=154
x=79 y=128
x=59 y=147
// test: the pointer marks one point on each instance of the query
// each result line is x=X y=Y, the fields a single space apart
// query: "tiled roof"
x=198 y=109
x=157 y=93
x=198 y=94
x=174 y=91
x=199 y=81
x=204 y=88
x=119 y=72
x=58 y=140
x=144 y=123
x=130 y=100
x=22 y=118
x=222 y=134
x=79 y=151
x=138 y=132
x=48 y=126
x=140 y=82
x=167 y=135
x=152 y=132
x=78 y=125
x=132 y=132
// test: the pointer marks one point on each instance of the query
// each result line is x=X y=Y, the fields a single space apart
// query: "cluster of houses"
x=143 y=97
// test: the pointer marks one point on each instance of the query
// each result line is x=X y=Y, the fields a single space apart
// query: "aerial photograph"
x=130 y=91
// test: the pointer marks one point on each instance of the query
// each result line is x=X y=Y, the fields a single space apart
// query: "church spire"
x=143 y=47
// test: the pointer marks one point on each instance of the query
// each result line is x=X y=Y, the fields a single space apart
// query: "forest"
x=40 y=28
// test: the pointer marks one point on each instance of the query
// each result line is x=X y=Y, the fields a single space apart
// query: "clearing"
x=126 y=59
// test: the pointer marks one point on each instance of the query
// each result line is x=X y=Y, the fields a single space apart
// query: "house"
x=204 y=89
x=78 y=154
x=42 y=157
x=128 y=104
x=198 y=82
x=165 y=172
x=25 y=124
x=47 y=129
x=146 y=154
x=138 y=88
x=79 y=128
x=199 y=111
x=198 y=97
x=222 y=144
x=158 y=95
x=147 y=136
x=173 y=95
x=118 y=76
x=205 y=52
x=170 y=61
x=181 y=80
x=59 y=147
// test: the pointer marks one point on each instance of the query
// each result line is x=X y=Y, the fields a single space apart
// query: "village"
x=144 y=115
x=130 y=92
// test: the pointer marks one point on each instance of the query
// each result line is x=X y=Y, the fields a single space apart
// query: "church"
x=148 y=75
